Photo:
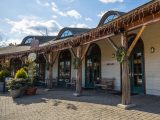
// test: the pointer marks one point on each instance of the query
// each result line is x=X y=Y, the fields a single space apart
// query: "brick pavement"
x=62 y=105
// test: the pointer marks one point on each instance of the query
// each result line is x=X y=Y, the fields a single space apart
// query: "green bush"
x=17 y=83
x=21 y=74
x=3 y=74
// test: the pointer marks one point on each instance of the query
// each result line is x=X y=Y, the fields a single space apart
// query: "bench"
x=72 y=83
x=106 y=83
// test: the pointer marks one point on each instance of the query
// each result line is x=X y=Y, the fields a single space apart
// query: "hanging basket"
x=76 y=62
x=121 y=54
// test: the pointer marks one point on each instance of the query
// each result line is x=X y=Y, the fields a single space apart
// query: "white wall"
x=151 y=38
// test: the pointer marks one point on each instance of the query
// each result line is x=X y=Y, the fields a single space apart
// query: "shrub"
x=3 y=74
x=13 y=85
x=17 y=83
x=21 y=74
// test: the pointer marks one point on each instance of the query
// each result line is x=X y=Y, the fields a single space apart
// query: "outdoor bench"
x=106 y=83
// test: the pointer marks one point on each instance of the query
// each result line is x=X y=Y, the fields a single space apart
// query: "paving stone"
x=60 y=104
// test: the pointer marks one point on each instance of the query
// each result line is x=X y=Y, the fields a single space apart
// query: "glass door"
x=136 y=68
x=93 y=67
x=64 y=68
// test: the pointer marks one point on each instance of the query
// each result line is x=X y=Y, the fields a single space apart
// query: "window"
x=64 y=68
x=29 y=40
x=67 y=33
x=110 y=18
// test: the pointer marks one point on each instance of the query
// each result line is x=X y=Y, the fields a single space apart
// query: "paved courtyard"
x=60 y=104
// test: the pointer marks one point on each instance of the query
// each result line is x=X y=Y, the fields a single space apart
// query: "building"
x=136 y=34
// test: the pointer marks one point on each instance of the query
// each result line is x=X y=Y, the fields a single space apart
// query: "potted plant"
x=23 y=78
x=18 y=85
x=14 y=88
x=32 y=69
x=3 y=74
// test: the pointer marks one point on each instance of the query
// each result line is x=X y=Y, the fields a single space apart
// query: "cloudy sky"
x=19 y=18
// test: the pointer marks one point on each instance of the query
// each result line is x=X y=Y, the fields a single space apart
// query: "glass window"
x=64 y=67
x=110 y=18
x=67 y=33
x=29 y=40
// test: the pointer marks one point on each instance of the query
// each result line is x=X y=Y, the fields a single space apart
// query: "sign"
x=32 y=57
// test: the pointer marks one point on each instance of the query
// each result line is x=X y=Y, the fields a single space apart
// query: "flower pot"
x=15 y=93
x=31 y=91
x=23 y=91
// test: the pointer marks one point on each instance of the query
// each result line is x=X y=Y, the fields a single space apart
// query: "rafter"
x=86 y=49
x=112 y=43
x=135 y=40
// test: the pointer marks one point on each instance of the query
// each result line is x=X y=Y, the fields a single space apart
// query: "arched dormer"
x=69 y=32
x=109 y=16
x=42 y=39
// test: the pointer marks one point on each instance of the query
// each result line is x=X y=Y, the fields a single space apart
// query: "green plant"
x=33 y=72
x=17 y=83
x=121 y=54
x=3 y=74
x=21 y=74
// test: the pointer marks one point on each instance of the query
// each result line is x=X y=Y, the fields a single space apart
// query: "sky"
x=20 y=18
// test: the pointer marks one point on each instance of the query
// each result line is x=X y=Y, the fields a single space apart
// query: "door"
x=136 y=66
x=64 y=68
x=93 y=66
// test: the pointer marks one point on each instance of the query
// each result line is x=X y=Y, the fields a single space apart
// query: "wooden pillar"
x=50 y=71
x=126 y=98
x=79 y=75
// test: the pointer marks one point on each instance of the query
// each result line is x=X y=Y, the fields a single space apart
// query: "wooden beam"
x=54 y=60
x=79 y=75
x=45 y=57
x=135 y=40
x=112 y=43
x=72 y=51
x=86 y=49
x=126 y=98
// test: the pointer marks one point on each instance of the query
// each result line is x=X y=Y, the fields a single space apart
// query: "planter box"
x=31 y=91
x=1 y=86
x=15 y=93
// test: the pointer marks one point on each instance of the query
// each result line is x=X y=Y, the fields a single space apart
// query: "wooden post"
x=79 y=75
x=126 y=100
x=50 y=71
x=126 y=90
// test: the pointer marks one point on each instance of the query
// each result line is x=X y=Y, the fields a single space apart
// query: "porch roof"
x=143 y=15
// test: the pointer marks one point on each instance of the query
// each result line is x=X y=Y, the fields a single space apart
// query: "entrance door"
x=137 y=68
x=64 y=68
x=93 y=66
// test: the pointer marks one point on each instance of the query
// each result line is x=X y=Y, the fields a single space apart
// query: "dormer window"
x=28 y=41
x=110 y=18
x=66 y=34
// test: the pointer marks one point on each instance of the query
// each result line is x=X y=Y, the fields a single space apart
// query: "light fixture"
x=152 y=49
x=113 y=55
